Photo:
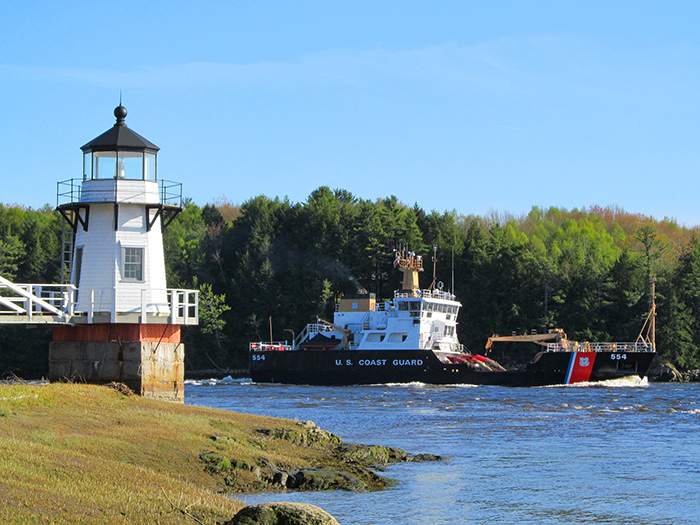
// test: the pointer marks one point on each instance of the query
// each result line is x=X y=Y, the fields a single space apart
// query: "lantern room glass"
x=132 y=165
x=104 y=164
x=149 y=167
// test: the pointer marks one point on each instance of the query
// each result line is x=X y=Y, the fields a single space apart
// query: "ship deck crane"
x=553 y=335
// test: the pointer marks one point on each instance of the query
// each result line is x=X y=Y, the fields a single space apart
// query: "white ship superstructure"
x=416 y=319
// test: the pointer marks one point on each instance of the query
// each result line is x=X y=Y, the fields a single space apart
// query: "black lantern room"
x=119 y=153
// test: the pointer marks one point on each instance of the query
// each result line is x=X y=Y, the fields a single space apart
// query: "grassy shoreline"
x=82 y=453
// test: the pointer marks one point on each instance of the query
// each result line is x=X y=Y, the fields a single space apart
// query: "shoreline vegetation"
x=269 y=266
x=95 y=454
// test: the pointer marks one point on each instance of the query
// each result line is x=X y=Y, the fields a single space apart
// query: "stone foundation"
x=153 y=369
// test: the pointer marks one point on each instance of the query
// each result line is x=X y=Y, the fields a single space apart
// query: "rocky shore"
x=346 y=466
x=89 y=454
x=665 y=372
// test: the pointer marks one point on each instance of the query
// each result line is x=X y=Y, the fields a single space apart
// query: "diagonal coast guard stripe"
x=580 y=367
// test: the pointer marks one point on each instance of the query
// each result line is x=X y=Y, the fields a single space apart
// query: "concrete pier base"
x=149 y=359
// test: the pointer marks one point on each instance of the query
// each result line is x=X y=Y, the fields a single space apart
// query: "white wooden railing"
x=181 y=305
x=28 y=303
x=57 y=304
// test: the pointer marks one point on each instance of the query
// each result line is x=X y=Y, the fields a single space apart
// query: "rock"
x=292 y=481
x=307 y=435
x=215 y=462
x=397 y=454
x=692 y=376
x=280 y=478
x=378 y=456
x=282 y=513
x=326 y=479
x=121 y=388
x=425 y=457
x=366 y=454
x=222 y=442
x=663 y=371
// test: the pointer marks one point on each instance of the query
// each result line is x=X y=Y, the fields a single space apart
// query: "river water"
x=593 y=454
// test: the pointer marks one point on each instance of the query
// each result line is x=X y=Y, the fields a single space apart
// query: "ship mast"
x=653 y=314
x=649 y=336
x=432 y=285
x=410 y=264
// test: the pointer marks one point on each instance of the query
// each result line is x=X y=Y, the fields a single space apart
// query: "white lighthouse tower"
x=126 y=324
x=118 y=259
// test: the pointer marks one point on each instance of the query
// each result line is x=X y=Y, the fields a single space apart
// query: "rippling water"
x=622 y=455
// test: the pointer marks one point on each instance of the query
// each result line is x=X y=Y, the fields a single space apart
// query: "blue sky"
x=472 y=106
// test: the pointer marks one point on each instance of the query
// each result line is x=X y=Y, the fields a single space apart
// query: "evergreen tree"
x=683 y=322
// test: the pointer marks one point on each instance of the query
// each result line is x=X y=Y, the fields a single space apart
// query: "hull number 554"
x=618 y=356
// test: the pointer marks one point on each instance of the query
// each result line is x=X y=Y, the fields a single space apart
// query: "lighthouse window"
x=133 y=264
x=149 y=167
x=130 y=166
x=104 y=165
x=87 y=165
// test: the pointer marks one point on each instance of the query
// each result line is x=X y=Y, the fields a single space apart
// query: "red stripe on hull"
x=582 y=367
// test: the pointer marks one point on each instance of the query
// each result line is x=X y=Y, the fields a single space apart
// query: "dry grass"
x=80 y=453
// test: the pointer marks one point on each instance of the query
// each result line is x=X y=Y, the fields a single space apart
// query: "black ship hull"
x=358 y=367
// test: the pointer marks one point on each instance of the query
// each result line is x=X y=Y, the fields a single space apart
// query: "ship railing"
x=573 y=346
x=312 y=329
x=273 y=346
x=308 y=332
x=450 y=348
x=425 y=294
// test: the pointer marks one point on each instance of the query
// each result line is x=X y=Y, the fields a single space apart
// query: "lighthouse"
x=125 y=325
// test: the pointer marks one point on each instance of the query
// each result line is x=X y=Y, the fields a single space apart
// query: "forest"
x=272 y=262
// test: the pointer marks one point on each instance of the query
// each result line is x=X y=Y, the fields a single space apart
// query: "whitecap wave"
x=623 y=382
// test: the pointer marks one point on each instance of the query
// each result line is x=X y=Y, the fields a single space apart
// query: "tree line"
x=274 y=265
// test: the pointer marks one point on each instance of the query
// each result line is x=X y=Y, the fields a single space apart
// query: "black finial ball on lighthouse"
x=120 y=113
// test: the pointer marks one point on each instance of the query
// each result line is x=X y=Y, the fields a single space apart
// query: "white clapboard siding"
x=101 y=279
x=99 y=260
